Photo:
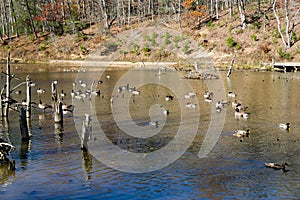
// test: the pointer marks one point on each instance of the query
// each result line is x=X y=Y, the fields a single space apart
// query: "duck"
x=242 y=133
x=285 y=126
x=108 y=76
x=231 y=94
x=277 y=166
x=43 y=106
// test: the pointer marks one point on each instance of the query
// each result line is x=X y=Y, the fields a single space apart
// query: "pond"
x=53 y=166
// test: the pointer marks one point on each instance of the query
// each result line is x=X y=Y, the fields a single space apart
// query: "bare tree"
x=289 y=23
x=242 y=13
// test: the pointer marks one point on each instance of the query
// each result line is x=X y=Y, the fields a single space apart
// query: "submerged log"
x=200 y=75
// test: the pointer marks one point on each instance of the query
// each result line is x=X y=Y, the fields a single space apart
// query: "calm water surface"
x=52 y=166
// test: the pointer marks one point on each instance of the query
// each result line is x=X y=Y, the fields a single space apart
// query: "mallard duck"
x=242 y=133
x=277 y=166
x=284 y=126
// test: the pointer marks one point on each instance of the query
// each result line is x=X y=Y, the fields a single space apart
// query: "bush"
x=210 y=23
x=254 y=37
x=167 y=38
x=43 y=47
x=83 y=49
x=146 y=49
x=230 y=42
x=283 y=54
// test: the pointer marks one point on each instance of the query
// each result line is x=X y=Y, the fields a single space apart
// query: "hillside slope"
x=222 y=38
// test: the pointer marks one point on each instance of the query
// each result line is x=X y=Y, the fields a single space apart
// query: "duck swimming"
x=43 y=106
x=277 y=166
x=284 y=126
x=242 y=133
x=231 y=94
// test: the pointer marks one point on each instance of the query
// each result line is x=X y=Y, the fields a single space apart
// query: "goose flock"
x=240 y=112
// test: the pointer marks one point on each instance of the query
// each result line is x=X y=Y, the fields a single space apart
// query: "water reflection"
x=55 y=167
x=87 y=164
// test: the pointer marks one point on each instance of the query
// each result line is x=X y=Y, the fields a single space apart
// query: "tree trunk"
x=217 y=10
x=31 y=20
x=129 y=5
x=242 y=13
x=279 y=25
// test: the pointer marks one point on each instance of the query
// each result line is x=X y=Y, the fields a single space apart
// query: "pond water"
x=52 y=166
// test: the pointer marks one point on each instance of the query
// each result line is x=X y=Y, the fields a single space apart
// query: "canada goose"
x=231 y=94
x=40 y=91
x=239 y=113
x=277 y=166
x=234 y=104
x=166 y=112
x=72 y=94
x=284 y=126
x=97 y=93
x=153 y=123
x=43 y=106
x=208 y=95
x=209 y=100
x=191 y=105
x=62 y=94
x=135 y=92
x=169 y=97
x=241 y=133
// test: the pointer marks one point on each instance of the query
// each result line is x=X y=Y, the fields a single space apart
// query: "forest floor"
x=222 y=39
